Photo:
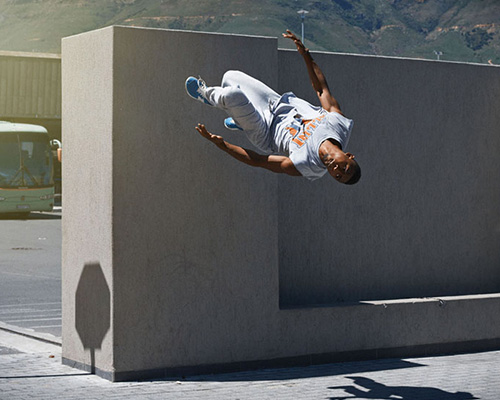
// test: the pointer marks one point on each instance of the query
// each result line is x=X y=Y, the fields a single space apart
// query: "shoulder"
x=334 y=112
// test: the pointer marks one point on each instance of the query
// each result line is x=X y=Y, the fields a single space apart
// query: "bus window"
x=27 y=149
x=9 y=159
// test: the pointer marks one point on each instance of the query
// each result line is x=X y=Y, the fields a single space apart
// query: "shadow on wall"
x=92 y=309
x=374 y=390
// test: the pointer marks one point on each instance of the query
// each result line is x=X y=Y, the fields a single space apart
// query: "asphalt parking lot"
x=30 y=272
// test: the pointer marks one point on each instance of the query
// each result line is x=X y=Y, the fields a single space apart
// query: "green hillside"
x=463 y=30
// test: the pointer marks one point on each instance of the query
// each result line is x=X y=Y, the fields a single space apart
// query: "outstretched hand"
x=300 y=46
x=216 y=139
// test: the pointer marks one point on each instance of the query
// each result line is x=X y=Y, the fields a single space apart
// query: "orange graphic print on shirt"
x=310 y=125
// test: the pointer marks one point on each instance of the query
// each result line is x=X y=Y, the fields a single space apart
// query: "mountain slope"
x=464 y=30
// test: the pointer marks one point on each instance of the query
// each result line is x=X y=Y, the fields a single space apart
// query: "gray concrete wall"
x=87 y=227
x=425 y=219
x=200 y=263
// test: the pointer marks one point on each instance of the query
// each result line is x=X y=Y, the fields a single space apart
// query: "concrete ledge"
x=441 y=301
x=404 y=307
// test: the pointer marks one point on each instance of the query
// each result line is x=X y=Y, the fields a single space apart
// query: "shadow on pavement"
x=313 y=371
x=374 y=390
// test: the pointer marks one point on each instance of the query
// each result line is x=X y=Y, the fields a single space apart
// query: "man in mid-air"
x=299 y=139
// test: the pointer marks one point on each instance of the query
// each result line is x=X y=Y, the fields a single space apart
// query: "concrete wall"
x=197 y=263
x=87 y=226
x=425 y=219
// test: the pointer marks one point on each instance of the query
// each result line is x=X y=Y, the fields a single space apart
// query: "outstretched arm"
x=278 y=164
x=318 y=80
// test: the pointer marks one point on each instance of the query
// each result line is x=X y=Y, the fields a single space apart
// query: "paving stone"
x=33 y=375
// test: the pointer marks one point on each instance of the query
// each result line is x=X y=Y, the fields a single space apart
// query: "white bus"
x=26 y=169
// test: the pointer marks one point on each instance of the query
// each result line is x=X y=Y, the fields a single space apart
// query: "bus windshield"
x=25 y=160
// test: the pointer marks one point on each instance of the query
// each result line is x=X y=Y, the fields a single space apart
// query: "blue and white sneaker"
x=229 y=123
x=196 y=88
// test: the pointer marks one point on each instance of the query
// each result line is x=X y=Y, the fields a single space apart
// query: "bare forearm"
x=246 y=156
x=275 y=163
x=318 y=80
x=317 y=77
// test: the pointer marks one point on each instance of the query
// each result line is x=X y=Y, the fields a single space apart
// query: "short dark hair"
x=356 y=176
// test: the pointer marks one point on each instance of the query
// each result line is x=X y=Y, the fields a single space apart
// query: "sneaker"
x=230 y=124
x=196 y=89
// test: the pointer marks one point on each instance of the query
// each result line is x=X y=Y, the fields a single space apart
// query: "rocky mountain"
x=462 y=30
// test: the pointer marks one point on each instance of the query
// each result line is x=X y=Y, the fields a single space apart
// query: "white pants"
x=249 y=102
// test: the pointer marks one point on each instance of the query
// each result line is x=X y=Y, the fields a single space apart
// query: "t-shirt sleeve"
x=303 y=163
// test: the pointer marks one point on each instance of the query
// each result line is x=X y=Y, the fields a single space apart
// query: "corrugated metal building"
x=30 y=89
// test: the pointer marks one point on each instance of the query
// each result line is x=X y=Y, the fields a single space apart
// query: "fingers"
x=206 y=134
x=300 y=46
x=201 y=128
x=202 y=131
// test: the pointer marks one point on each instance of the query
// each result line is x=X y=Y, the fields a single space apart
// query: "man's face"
x=341 y=168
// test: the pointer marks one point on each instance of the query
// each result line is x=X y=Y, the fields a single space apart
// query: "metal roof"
x=28 y=54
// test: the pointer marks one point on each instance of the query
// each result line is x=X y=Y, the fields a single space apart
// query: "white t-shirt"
x=299 y=128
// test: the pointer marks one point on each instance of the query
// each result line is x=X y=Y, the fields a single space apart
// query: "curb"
x=41 y=337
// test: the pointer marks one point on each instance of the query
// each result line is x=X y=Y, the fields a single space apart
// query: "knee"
x=231 y=78
x=234 y=97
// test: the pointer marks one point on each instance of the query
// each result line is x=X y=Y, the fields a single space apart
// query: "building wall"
x=424 y=219
x=30 y=89
x=201 y=264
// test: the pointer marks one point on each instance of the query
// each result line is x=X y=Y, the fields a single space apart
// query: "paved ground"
x=30 y=272
x=30 y=369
